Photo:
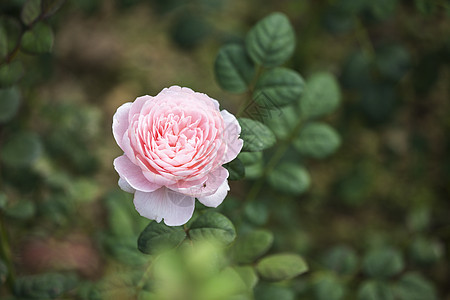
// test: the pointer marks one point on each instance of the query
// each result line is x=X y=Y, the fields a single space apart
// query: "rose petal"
x=206 y=188
x=138 y=104
x=120 y=123
x=175 y=208
x=215 y=199
x=133 y=175
x=125 y=186
x=232 y=131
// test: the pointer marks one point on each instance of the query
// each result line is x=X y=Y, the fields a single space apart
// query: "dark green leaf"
x=317 y=140
x=342 y=260
x=22 y=210
x=236 y=169
x=357 y=70
x=11 y=73
x=21 y=149
x=38 y=39
x=250 y=158
x=322 y=95
x=393 y=62
x=426 y=252
x=279 y=267
x=278 y=87
x=271 y=292
x=31 y=11
x=9 y=103
x=13 y=30
x=375 y=290
x=328 y=287
x=290 y=179
x=51 y=6
x=383 y=263
x=413 y=286
x=252 y=245
x=157 y=237
x=213 y=227
x=233 y=68
x=256 y=135
x=271 y=41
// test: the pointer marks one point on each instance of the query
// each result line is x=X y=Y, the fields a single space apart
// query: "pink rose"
x=174 y=147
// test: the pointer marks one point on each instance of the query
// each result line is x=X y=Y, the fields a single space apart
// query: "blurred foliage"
x=355 y=92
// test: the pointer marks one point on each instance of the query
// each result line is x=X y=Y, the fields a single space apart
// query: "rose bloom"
x=174 y=147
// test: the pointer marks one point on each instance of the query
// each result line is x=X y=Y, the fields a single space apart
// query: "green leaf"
x=11 y=73
x=341 y=259
x=329 y=288
x=13 y=30
x=252 y=245
x=279 y=267
x=9 y=103
x=38 y=39
x=157 y=237
x=375 y=290
x=213 y=227
x=290 y=179
x=393 y=62
x=413 y=286
x=236 y=169
x=278 y=87
x=256 y=135
x=426 y=252
x=256 y=212
x=124 y=250
x=51 y=6
x=317 y=140
x=31 y=11
x=21 y=210
x=383 y=263
x=270 y=292
x=3 y=43
x=283 y=122
x=250 y=158
x=21 y=150
x=383 y=9
x=248 y=275
x=271 y=41
x=233 y=68
x=44 y=286
x=322 y=95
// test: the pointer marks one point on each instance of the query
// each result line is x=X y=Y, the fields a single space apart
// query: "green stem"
x=5 y=252
x=251 y=86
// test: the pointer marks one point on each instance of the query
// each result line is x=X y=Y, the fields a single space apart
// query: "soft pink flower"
x=174 y=147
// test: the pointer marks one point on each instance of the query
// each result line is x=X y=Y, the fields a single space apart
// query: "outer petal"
x=121 y=122
x=175 y=208
x=232 y=131
x=215 y=199
x=125 y=186
x=133 y=175
x=214 y=180
x=138 y=104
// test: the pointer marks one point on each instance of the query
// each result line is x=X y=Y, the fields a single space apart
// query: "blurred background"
x=387 y=187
